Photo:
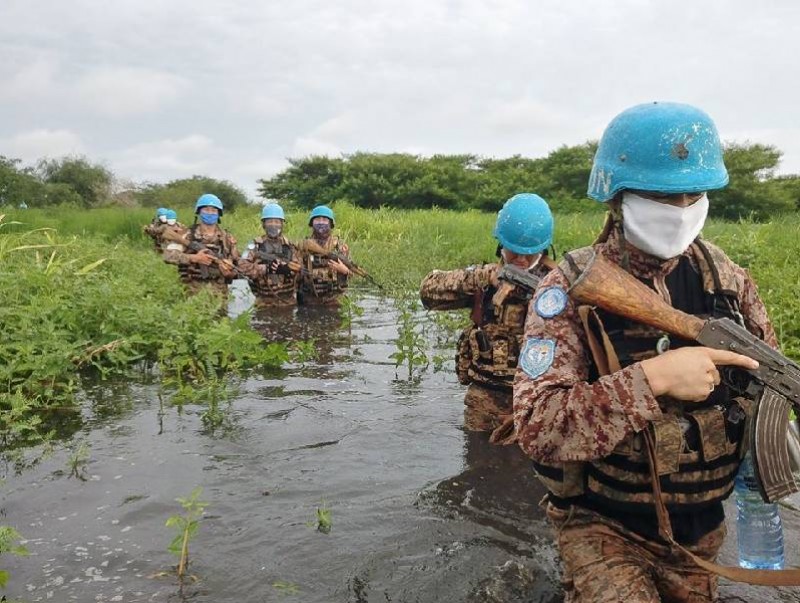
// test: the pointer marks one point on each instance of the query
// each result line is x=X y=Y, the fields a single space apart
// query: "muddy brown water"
x=421 y=510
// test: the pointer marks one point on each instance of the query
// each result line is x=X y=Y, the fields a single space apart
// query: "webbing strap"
x=787 y=577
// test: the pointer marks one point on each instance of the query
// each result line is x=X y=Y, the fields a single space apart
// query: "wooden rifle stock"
x=605 y=285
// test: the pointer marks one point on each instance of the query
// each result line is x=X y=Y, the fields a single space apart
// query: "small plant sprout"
x=287 y=588
x=186 y=525
x=410 y=342
x=323 y=521
x=78 y=458
x=348 y=310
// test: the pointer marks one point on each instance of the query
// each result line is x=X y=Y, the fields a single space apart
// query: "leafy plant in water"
x=410 y=342
x=323 y=519
x=348 y=310
x=22 y=428
x=8 y=544
x=78 y=459
x=303 y=351
x=186 y=526
x=287 y=588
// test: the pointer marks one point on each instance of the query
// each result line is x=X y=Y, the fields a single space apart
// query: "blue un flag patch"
x=537 y=356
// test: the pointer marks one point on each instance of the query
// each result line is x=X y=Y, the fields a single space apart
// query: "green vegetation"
x=78 y=459
x=183 y=193
x=186 y=525
x=403 y=181
x=323 y=519
x=411 y=342
x=8 y=544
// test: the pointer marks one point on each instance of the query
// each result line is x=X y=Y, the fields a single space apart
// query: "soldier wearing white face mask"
x=594 y=388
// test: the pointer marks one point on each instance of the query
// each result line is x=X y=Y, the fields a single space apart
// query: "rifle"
x=197 y=247
x=269 y=258
x=774 y=386
x=317 y=249
x=516 y=276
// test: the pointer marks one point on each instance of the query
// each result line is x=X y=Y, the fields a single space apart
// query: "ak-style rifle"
x=774 y=386
x=317 y=249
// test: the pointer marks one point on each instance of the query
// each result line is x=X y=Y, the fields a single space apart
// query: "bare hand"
x=203 y=257
x=690 y=373
x=226 y=268
x=339 y=267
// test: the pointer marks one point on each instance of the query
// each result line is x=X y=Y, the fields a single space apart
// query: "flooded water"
x=421 y=511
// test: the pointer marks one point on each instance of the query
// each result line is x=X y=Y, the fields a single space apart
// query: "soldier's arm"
x=174 y=254
x=451 y=289
x=250 y=266
x=753 y=309
x=558 y=414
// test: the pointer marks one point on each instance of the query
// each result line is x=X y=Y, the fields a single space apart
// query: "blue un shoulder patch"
x=551 y=302
x=537 y=356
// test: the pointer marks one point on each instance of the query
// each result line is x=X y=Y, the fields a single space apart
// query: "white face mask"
x=661 y=229
x=171 y=221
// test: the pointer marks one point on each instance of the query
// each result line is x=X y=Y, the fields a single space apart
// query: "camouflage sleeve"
x=153 y=230
x=232 y=245
x=753 y=309
x=251 y=267
x=174 y=254
x=450 y=289
x=558 y=414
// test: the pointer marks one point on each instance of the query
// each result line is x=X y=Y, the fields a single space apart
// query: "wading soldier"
x=271 y=263
x=207 y=254
x=154 y=229
x=600 y=401
x=325 y=277
x=498 y=294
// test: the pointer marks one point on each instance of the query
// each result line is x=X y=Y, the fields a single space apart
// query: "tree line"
x=79 y=182
x=372 y=180
x=459 y=182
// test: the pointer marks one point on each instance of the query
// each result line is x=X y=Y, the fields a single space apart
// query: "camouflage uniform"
x=270 y=288
x=164 y=234
x=320 y=284
x=220 y=242
x=583 y=430
x=486 y=359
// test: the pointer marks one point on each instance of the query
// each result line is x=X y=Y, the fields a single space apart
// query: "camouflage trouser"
x=485 y=408
x=605 y=563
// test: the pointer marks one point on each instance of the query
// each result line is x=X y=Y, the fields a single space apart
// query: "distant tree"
x=752 y=190
x=185 y=192
x=307 y=182
x=92 y=182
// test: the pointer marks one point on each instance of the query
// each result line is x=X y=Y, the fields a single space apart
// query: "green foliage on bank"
x=75 y=306
x=404 y=181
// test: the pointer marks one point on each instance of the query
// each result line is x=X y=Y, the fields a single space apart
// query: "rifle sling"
x=786 y=577
x=605 y=358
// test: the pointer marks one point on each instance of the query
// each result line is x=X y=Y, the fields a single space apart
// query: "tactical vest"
x=322 y=281
x=698 y=446
x=218 y=245
x=272 y=286
x=488 y=353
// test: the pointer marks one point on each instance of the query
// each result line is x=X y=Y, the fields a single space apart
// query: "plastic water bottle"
x=758 y=524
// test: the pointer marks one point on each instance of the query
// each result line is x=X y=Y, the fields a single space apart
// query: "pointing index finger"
x=727 y=358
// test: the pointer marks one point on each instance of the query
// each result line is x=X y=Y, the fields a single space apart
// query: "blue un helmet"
x=321 y=211
x=161 y=211
x=208 y=200
x=658 y=147
x=525 y=224
x=171 y=214
x=272 y=210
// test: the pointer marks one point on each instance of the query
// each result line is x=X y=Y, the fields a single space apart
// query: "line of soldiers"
x=601 y=403
x=314 y=271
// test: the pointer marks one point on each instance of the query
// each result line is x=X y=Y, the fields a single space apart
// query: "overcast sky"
x=163 y=89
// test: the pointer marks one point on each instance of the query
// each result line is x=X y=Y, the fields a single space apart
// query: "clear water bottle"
x=758 y=524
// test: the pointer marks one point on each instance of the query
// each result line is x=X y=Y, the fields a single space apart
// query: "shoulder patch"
x=551 y=302
x=537 y=356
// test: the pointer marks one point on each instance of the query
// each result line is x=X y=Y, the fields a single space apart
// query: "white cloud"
x=36 y=144
x=308 y=145
x=32 y=81
x=125 y=91
x=180 y=157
